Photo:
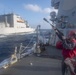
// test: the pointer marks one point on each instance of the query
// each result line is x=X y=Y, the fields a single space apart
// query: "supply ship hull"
x=12 y=23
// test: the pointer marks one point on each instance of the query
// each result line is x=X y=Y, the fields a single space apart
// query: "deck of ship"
x=48 y=63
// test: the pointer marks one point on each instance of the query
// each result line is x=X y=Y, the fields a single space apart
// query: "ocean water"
x=8 y=43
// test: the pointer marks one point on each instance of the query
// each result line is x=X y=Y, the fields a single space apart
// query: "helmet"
x=72 y=34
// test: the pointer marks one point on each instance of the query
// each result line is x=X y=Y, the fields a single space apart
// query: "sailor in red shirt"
x=67 y=53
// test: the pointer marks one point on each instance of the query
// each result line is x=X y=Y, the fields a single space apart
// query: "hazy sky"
x=31 y=10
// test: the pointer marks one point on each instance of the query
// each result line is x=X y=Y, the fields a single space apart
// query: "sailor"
x=68 y=53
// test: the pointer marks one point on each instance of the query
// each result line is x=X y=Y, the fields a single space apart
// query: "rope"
x=30 y=40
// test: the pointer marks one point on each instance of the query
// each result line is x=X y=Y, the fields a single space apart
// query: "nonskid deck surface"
x=46 y=64
x=33 y=65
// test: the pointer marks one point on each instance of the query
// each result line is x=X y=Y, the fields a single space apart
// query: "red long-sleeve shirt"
x=66 y=52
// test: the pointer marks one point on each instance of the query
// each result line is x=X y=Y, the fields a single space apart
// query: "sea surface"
x=9 y=42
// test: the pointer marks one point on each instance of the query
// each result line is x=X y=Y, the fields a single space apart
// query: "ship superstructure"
x=12 y=23
x=67 y=16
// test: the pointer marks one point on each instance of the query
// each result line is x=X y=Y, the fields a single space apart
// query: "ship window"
x=56 y=5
